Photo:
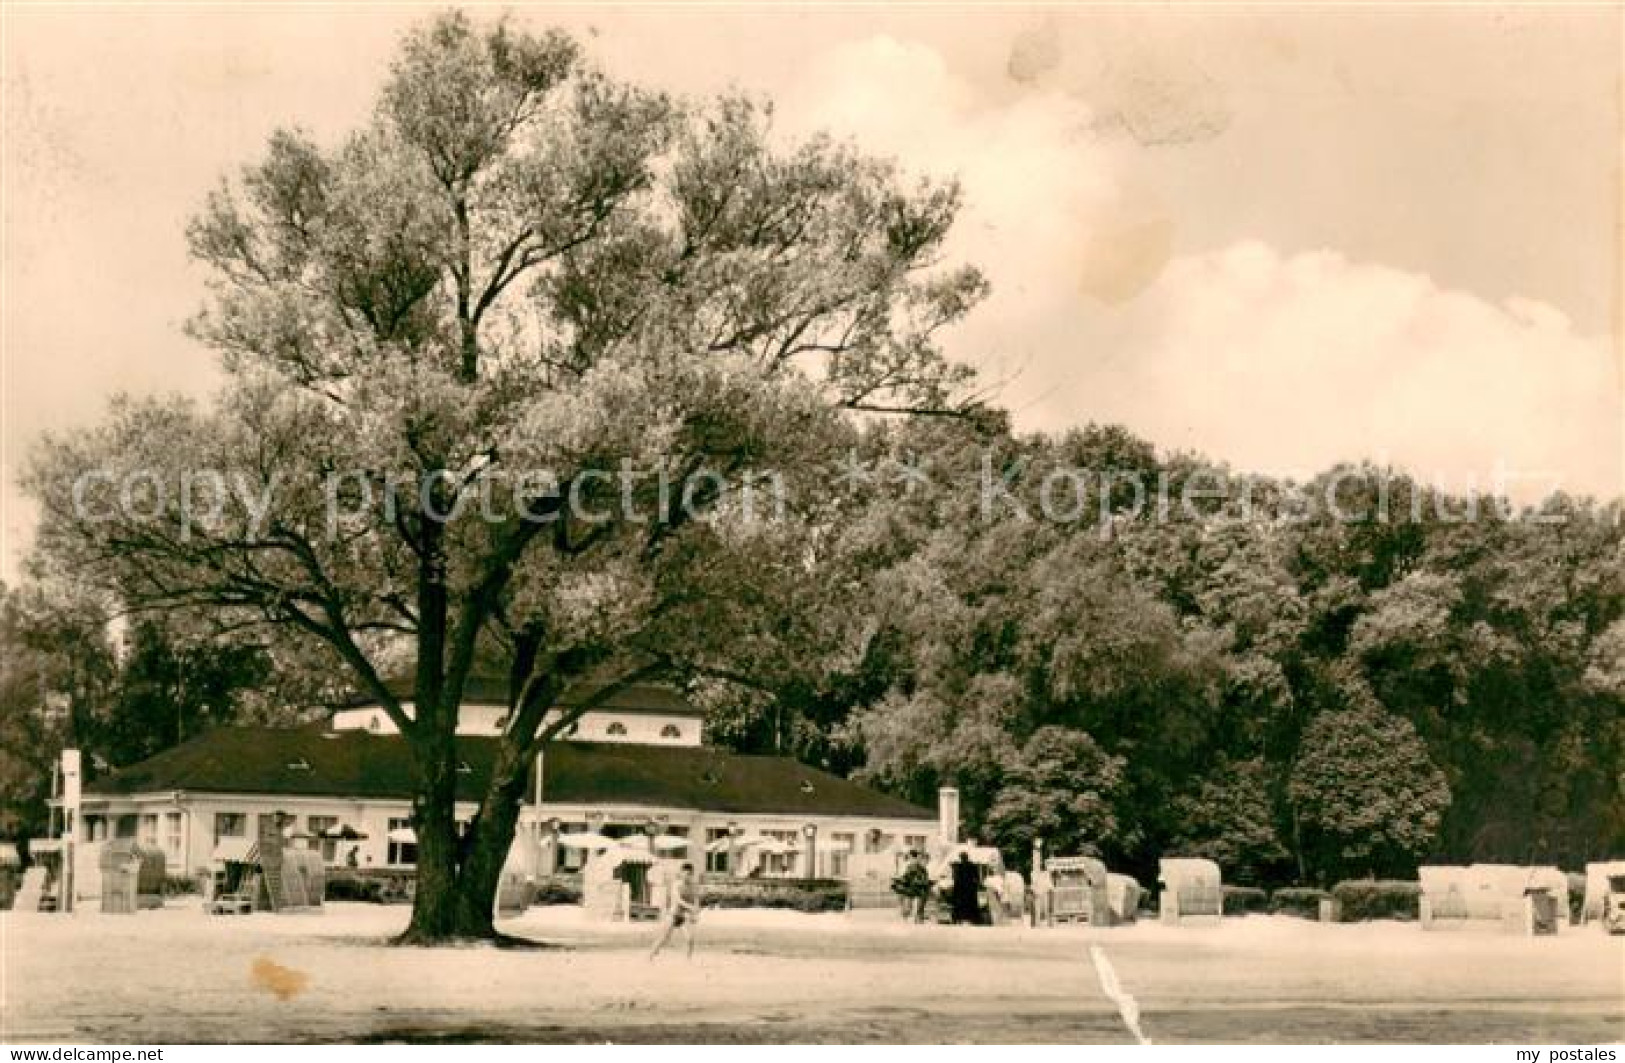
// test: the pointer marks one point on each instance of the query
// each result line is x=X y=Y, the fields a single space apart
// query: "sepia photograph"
x=622 y=524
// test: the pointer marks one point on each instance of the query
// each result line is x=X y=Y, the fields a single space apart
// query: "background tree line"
x=1302 y=698
x=1298 y=696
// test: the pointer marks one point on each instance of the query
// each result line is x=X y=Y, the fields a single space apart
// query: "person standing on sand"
x=914 y=887
x=682 y=910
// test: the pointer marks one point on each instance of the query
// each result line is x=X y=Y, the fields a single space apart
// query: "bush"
x=816 y=895
x=1245 y=900
x=179 y=885
x=354 y=888
x=1303 y=901
x=553 y=891
x=1364 y=791
x=1360 y=901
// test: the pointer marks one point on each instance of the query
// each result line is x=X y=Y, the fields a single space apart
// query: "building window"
x=616 y=730
x=149 y=830
x=402 y=852
x=230 y=825
x=840 y=848
x=172 y=832
x=318 y=826
x=570 y=859
x=782 y=864
x=124 y=826
x=716 y=851
x=671 y=730
x=914 y=842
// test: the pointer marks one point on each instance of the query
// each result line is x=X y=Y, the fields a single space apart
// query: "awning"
x=775 y=847
x=343 y=832
x=9 y=856
x=588 y=840
x=403 y=836
x=669 y=842
x=235 y=850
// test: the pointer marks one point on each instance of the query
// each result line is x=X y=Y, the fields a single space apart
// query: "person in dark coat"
x=967 y=887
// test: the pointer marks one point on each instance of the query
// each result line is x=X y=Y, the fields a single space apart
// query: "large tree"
x=463 y=345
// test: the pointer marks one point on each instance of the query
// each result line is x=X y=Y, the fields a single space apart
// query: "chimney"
x=948 y=814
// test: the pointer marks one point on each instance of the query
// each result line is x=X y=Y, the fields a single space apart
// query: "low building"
x=634 y=765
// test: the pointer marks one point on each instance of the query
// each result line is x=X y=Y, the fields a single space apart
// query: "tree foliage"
x=1063 y=788
x=1247 y=656
x=1365 y=794
x=67 y=681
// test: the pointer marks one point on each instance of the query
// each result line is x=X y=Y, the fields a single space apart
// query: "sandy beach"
x=179 y=975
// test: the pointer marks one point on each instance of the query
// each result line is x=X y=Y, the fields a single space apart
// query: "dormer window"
x=671 y=730
x=372 y=723
x=463 y=768
x=616 y=730
x=299 y=765
x=807 y=787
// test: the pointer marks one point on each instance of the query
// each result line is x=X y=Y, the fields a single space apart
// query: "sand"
x=179 y=975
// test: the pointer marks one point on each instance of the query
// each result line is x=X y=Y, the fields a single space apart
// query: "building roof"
x=650 y=698
x=355 y=764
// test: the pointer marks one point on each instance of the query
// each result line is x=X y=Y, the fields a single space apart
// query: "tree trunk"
x=439 y=914
x=457 y=879
x=490 y=839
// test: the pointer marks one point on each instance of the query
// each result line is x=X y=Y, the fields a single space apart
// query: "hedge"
x=1244 y=900
x=552 y=891
x=1363 y=900
x=354 y=888
x=1303 y=901
x=815 y=895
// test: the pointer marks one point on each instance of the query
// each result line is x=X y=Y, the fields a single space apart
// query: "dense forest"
x=1303 y=681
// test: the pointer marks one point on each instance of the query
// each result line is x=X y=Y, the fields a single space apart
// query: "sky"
x=1281 y=237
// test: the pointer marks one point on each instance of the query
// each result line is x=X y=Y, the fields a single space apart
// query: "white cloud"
x=1289 y=363
x=1272 y=361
